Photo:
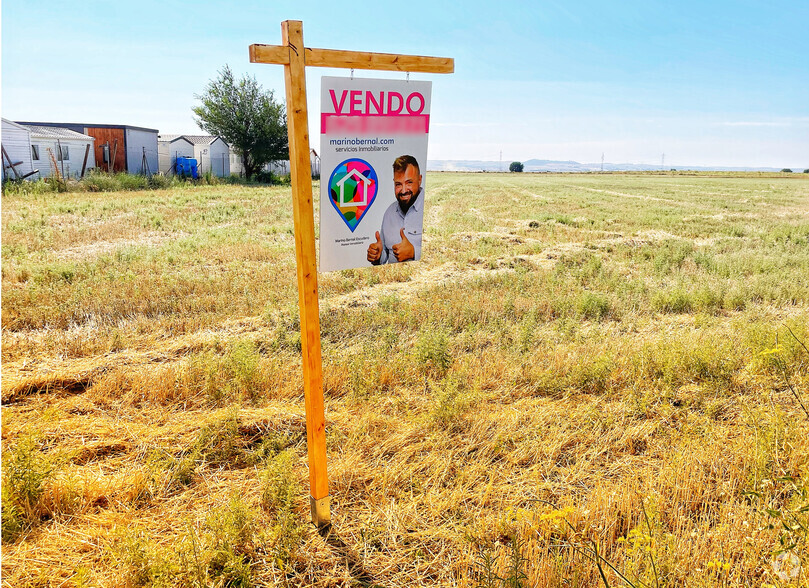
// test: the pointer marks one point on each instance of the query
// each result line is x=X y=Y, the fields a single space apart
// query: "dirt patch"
x=97 y=248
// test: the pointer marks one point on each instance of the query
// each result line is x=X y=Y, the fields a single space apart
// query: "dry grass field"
x=590 y=380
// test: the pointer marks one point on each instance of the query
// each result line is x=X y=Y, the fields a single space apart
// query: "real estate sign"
x=373 y=163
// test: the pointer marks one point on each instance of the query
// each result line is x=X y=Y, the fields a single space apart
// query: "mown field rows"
x=589 y=379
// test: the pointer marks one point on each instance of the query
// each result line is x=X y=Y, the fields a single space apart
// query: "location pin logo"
x=353 y=186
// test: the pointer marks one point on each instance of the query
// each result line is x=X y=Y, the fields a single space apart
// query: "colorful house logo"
x=362 y=185
x=353 y=187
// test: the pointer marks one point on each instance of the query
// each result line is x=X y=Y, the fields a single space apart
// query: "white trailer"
x=16 y=152
x=141 y=150
x=170 y=147
x=212 y=154
x=70 y=152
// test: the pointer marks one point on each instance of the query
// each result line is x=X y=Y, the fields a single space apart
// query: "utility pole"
x=602 y=161
x=663 y=162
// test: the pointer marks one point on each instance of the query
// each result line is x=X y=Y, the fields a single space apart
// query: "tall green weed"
x=26 y=473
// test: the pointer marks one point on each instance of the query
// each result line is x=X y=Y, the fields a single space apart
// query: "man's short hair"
x=400 y=164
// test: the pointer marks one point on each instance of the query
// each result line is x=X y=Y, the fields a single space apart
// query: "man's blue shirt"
x=394 y=220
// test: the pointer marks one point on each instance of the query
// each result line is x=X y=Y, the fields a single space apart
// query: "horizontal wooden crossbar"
x=279 y=54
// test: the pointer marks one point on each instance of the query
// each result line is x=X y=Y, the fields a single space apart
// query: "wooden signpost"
x=295 y=57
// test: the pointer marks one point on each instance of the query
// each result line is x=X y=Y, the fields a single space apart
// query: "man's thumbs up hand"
x=404 y=251
x=375 y=249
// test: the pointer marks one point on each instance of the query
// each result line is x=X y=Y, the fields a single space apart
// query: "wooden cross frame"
x=295 y=57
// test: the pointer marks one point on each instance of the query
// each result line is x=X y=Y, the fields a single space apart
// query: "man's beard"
x=405 y=206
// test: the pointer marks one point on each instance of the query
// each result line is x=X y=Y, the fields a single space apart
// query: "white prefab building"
x=16 y=141
x=169 y=148
x=118 y=148
x=212 y=153
x=141 y=150
x=73 y=153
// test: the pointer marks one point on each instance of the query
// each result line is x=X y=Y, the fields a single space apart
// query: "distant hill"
x=549 y=165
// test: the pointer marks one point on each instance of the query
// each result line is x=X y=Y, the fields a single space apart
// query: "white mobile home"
x=169 y=148
x=56 y=148
x=212 y=154
x=118 y=148
x=17 y=159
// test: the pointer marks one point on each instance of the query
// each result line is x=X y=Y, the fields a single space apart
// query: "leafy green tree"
x=515 y=166
x=786 y=170
x=247 y=117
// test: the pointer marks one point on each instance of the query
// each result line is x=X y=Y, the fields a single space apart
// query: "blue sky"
x=706 y=83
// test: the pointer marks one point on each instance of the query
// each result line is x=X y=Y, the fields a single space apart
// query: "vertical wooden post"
x=295 y=57
x=84 y=164
x=303 y=211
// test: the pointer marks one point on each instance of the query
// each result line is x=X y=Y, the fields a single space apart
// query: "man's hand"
x=375 y=249
x=404 y=251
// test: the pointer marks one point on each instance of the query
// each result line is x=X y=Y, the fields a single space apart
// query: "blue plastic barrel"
x=186 y=166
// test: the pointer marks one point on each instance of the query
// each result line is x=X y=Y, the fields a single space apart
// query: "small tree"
x=786 y=170
x=247 y=117
x=515 y=166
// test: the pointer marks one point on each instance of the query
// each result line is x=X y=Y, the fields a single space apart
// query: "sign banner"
x=373 y=159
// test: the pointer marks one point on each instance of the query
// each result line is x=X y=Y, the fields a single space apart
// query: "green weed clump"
x=161 y=182
x=209 y=179
x=26 y=472
x=144 y=562
x=14 y=521
x=25 y=187
x=280 y=487
x=451 y=402
x=30 y=491
x=593 y=306
x=243 y=360
x=232 y=544
x=432 y=352
x=221 y=551
x=688 y=360
x=101 y=181
x=239 y=374
x=671 y=255
x=677 y=300
x=682 y=300
x=593 y=370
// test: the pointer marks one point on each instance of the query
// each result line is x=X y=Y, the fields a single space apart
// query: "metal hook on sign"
x=352 y=73
x=408 y=76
